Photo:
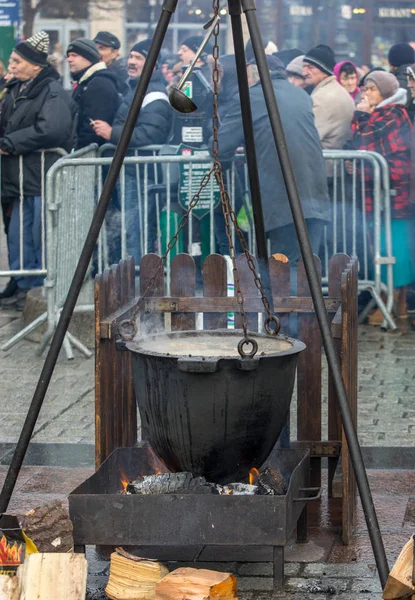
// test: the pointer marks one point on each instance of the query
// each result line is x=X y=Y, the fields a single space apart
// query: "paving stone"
x=327 y=585
x=347 y=571
x=366 y=586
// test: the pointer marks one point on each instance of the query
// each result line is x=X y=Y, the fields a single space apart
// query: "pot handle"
x=310 y=490
x=197 y=365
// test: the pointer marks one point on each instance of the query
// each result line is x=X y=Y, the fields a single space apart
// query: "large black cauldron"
x=216 y=416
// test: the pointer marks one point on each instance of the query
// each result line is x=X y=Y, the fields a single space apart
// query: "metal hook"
x=277 y=325
x=246 y=342
x=177 y=98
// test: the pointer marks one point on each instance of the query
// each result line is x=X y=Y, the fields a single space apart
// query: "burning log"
x=271 y=482
x=172 y=483
x=133 y=578
x=401 y=580
x=239 y=489
x=197 y=584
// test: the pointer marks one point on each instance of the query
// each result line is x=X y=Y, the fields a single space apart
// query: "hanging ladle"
x=178 y=99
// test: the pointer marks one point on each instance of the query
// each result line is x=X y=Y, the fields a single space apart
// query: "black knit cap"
x=401 y=54
x=86 y=48
x=35 y=49
x=108 y=39
x=142 y=47
x=193 y=42
x=274 y=63
x=322 y=57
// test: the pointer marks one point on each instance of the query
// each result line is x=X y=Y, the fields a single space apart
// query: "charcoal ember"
x=239 y=489
x=171 y=483
x=271 y=483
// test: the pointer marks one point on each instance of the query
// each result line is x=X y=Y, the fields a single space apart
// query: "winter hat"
x=274 y=63
x=401 y=54
x=322 y=57
x=35 y=49
x=193 y=42
x=386 y=83
x=288 y=56
x=295 y=67
x=362 y=81
x=105 y=38
x=142 y=47
x=85 y=48
x=269 y=48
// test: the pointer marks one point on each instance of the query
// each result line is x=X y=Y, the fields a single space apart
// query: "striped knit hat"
x=35 y=49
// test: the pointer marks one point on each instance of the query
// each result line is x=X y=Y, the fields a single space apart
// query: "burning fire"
x=253 y=476
x=10 y=555
x=155 y=464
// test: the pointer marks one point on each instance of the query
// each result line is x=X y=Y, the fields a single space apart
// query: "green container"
x=7 y=43
x=174 y=224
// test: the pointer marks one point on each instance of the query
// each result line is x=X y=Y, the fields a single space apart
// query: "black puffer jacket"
x=401 y=76
x=97 y=98
x=40 y=118
x=154 y=122
x=119 y=69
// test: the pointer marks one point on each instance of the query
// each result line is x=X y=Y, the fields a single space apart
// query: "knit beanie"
x=386 y=83
x=274 y=63
x=362 y=81
x=401 y=54
x=295 y=67
x=105 y=38
x=288 y=55
x=35 y=49
x=322 y=57
x=269 y=47
x=142 y=47
x=193 y=42
x=85 y=48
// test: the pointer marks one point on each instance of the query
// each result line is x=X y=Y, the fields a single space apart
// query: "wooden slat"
x=151 y=323
x=279 y=271
x=349 y=371
x=210 y=305
x=183 y=283
x=309 y=376
x=337 y=265
x=215 y=285
x=248 y=289
x=129 y=426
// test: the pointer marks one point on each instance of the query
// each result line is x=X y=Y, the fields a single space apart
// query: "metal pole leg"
x=79 y=345
x=22 y=334
x=167 y=11
x=278 y=570
x=249 y=9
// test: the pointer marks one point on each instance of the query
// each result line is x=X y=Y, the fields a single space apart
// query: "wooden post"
x=115 y=408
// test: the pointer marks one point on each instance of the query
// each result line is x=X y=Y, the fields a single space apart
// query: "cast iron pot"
x=216 y=416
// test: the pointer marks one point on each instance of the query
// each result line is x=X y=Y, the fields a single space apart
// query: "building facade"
x=362 y=30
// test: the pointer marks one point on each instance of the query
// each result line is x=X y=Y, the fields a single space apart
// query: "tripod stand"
x=236 y=7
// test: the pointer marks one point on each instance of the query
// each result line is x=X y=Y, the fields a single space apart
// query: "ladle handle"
x=198 y=54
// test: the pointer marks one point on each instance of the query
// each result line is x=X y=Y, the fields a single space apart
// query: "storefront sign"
x=395 y=13
x=9 y=13
x=346 y=11
x=297 y=10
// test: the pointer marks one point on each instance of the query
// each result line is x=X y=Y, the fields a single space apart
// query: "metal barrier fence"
x=40 y=270
x=74 y=182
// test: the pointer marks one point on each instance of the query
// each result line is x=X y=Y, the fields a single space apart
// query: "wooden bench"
x=116 y=410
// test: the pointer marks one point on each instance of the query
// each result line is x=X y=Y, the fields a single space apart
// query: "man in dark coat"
x=305 y=150
x=153 y=126
x=95 y=92
x=400 y=57
x=109 y=50
x=36 y=115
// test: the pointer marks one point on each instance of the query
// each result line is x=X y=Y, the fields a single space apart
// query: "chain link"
x=128 y=328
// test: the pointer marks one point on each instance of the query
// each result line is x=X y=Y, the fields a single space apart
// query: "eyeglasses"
x=410 y=73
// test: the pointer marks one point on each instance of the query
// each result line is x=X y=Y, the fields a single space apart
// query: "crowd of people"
x=324 y=104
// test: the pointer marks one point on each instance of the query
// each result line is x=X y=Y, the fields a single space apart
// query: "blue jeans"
x=31 y=227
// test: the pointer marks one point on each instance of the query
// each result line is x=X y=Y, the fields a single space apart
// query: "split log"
x=197 y=584
x=53 y=577
x=9 y=588
x=133 y=578
x=171 y=483
x=400 y=582
x=49 y=527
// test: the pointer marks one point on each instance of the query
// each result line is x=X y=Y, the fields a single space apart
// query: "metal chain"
x=128 y=328
x=228 y=212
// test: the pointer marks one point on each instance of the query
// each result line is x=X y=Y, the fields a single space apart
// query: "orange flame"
x=10 y=555
x=253 y=476
x=124 y=480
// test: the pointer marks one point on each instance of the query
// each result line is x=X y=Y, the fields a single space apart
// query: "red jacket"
x=387 y=131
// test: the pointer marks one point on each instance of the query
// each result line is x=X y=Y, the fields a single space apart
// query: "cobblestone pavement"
x=386 y=390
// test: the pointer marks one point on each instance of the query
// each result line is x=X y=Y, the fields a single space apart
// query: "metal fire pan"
x=102 y=516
